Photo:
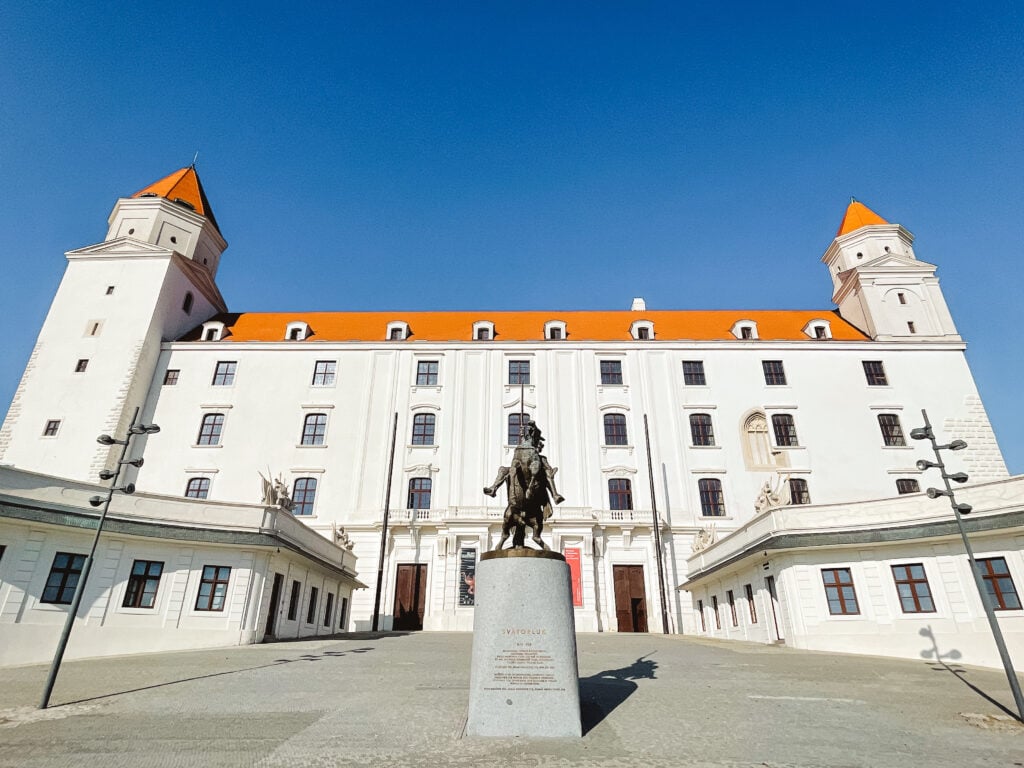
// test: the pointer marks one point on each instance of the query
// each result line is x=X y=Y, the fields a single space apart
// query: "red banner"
x=572 y=557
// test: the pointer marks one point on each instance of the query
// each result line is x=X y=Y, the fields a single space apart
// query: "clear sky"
x=428 y=155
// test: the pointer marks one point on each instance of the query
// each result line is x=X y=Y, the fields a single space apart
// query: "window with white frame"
x=213 y=330
x=297 y=331
x=397 y=331
x=818 y=329
x=744 y=329
x=554 y=330
x=483 y=330
x=324 y=372
x=642 y=330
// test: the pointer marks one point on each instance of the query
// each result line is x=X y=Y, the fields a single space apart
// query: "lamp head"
x=105 y=440
x=96 y=500
x=924 y=464
x=934 y=493
x=144 y=429
x=958 y=477
x=128 y=488
x=134 y=462
x=957 y=445
x=106 y=474
x=964 y=508
x=921 y=433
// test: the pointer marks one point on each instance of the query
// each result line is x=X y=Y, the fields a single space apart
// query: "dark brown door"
x=275 y=605
x=630 y=599
x=774 y=598
x=410 y=597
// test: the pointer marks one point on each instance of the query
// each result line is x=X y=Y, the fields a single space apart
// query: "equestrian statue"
x=530 y=485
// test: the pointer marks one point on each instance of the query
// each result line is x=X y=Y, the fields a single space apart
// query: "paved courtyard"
x=400 y=700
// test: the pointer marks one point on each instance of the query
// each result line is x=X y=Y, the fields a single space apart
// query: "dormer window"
x=186 y=305
x=642 y=330
x=398 y=331
x=744 y=329
x=213 y=330
x=483 y=330
x=297 y=331
x=818 y=329
x=554 y=330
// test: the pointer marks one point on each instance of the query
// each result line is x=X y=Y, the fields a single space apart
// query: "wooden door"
x=410 y=597
x=275 y=605
x=630 y=598
x=773 y=597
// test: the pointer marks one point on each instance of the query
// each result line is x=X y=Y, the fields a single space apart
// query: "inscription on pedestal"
x=524 y=665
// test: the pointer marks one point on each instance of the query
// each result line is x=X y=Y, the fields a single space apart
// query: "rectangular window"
x=110 y=290
x=396 y=334
x=423 y=429
x=426 y=373
x=643 y=333
x=746 y=332
x=911 y=327
x=224 y=373
x=51 y=428
x=197 y=488
x=714 y=607
x=611 y=371
x=703 y=621
x=343 y=613
x=213 y=588
x=785 y=429
x=293 y=603
x=749 y=591
x=907 y=485
x=323 y=373
x=774 y=373
x=712 y=500
x=615 y=429
x=842 y=599
x=314 y=429
x=483 y=333
x=798 y=492
x=693 y=373
x=303 y=495
x=874 y=372
x=892 y=432
x=515 y=420
x=314 y=594
x=171 y=377
x=63 y=578
x=912 y=588
x=81 y=365
x=732 y=608
x=519 y=372
x=329 y=609
x=701 y=432
x=210 y=429
x=620 y=494
x=419 y=493
x=143 y=584
x=999 y=583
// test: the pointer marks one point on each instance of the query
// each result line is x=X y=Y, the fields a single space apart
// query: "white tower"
x=150 y=280
x=880 y=286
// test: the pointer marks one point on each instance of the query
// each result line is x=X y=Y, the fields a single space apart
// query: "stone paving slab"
x=400 y=700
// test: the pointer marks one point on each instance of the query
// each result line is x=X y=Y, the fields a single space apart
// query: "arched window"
x=755 y=435
x=700 y=429
x=515 y=421
x=314 y=429
x=419 y=493
x=210 y=429
x=303 y=495
x=186 y=305
x=620 y=493
x=798 y=493
x=785 y=429
x=423 y=429
x=712 y=500
x=197 y=488
x=615 y=429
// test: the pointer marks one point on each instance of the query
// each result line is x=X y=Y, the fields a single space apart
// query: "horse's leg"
x=538 y=527
x=506 y=527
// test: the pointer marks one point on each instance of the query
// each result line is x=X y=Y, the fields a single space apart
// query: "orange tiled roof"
x=700 y=325
x=858 y=215
x=183 y=185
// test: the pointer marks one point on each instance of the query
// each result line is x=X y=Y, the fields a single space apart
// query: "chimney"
x=639 y=305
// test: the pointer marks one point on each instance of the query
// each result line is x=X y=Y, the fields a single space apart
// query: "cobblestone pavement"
x=400 y=700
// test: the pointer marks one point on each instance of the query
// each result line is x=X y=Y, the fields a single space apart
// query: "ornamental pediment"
x=121 y=246
x=893 y=261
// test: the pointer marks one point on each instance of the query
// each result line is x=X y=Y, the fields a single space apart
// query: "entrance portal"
x=410 y=596
x=630 y=599
x=275 y=605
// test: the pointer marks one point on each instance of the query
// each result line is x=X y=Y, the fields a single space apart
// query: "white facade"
x=42 y=517
x=311 y=396
x=800 y=547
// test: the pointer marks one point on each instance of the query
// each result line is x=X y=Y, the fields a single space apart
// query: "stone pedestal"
x=524 y=679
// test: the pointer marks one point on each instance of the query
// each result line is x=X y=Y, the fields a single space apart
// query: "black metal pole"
x=76 y=601
x=384 y=530
x=993 y=623
x=657 y=531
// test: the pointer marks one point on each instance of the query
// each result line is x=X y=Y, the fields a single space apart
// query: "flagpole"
x=384 y=529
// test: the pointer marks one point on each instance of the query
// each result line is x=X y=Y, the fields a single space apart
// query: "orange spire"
x=858 y=215
x=182 y=186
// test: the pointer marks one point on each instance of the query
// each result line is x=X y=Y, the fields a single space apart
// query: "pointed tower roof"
x=182 y=186
x=858 y=215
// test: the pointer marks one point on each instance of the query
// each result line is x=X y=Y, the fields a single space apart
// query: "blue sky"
x=415 y=156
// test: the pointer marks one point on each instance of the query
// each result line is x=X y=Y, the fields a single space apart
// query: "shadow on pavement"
x=939 y=665
x=600 y=694
x=306 y=657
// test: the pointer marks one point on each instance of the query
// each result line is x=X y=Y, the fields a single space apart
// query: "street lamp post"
x=959 y=510
x=107 y=474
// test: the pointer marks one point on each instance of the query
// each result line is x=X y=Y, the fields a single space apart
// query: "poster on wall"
x=572 y=558
x=467 y=576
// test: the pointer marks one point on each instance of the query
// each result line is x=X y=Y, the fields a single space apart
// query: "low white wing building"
x=746 y=411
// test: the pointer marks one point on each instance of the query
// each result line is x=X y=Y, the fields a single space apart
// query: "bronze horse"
x=530 y=485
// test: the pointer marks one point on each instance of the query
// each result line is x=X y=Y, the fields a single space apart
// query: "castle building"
x=745 y=412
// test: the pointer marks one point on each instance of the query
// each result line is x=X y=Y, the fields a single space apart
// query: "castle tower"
x=149 y=281
x=879 y=284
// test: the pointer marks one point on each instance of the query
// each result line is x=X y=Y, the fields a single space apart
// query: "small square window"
x=912 y=588
x=396 y=334
x=519 y=372
x=999 y=583
x=839 y=591
x=51 y=428
x=643 y=332
x=213 y=588
x=110 y=290
x=426 y=373
x=820 y=332
x=907 y=485
x=746 y=332
x=224 y=374
x=798 y=491
x=63 y=578
x=324 y=372
x=774 y=373
x=171 y=377
x=483 y=333
x=81 y=365
x=693 y=373
x=874 y=372
x=197 y=488
x=555 y=333
x=143 y=584
x=611 y=371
